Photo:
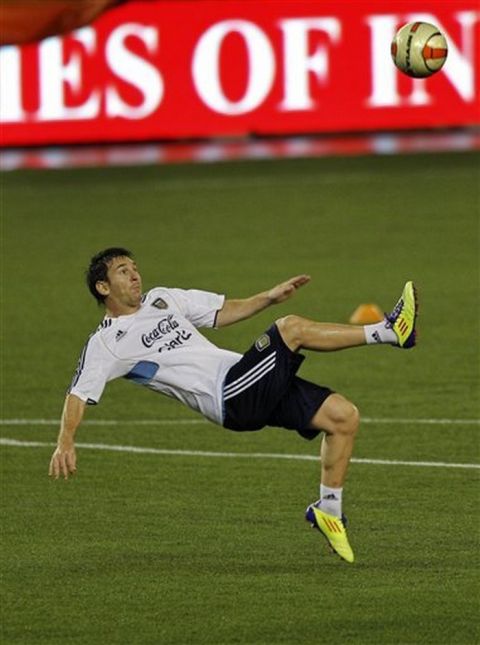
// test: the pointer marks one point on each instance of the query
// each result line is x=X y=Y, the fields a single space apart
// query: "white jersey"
x=159 y=347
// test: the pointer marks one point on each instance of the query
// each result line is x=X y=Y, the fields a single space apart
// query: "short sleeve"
x=90 y=376
x=199 y=307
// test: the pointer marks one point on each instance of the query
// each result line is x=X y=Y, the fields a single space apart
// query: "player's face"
x=124 y=283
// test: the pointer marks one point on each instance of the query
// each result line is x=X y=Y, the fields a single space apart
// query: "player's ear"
x=102 y=287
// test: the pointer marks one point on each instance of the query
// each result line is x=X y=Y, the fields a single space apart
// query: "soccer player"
x=152 y=339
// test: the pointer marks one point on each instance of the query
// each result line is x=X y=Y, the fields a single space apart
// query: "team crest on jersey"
x=263 y=342
x=160 y=303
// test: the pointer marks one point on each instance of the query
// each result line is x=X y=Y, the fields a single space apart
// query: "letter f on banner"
x=298 y=63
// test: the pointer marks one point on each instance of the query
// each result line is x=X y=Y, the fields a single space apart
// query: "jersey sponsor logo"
x=164 y=326
x=160 y=303
x=180 y=337
x=119 y=335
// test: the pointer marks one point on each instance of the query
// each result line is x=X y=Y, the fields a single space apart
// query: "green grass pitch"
x=185 y=549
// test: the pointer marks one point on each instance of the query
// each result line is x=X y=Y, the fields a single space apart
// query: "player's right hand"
x=63 y=462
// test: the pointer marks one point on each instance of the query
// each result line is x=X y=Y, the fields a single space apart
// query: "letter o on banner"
x=206 y=67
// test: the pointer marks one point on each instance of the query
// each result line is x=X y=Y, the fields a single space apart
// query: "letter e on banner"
x=54 y=75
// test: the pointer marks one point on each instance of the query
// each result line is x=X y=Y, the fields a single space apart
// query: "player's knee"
x=344 y=415
x=350 y=418
x=291 y=330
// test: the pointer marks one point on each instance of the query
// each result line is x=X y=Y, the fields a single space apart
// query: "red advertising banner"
x=186 y=69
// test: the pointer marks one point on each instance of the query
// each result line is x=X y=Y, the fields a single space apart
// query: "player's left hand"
x=285 y=290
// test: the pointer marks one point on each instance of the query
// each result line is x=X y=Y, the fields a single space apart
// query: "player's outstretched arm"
x=235 y=310
x=64 y=459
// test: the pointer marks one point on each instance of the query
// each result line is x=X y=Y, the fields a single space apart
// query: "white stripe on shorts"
x=252 y=381
x=250 y=377
x=255 y=368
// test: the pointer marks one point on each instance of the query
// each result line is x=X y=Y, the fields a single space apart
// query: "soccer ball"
x=419 y=49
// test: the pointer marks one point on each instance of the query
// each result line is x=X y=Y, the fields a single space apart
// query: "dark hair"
x=97 y=270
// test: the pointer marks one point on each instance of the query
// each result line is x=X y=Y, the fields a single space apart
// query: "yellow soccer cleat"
x=333 y=528
x=404 y=316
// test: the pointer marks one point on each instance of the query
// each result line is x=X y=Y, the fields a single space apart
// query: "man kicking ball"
x=152 y=339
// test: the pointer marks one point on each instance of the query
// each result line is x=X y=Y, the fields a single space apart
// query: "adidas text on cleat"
x=403 y=317
x=333 y=530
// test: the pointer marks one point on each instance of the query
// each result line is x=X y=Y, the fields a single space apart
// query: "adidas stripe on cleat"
x=333 y=529
x=404 y=316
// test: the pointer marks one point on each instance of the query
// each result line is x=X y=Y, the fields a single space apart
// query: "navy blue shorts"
x=262 y=389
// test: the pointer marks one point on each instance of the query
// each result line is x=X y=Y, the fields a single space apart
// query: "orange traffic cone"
x=366 y=314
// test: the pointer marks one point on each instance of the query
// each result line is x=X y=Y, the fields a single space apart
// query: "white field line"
x=229 y=455
x=200 y=421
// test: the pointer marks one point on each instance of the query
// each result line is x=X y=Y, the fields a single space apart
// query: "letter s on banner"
x=55 y=74
x=134 y=70
x=206 y=67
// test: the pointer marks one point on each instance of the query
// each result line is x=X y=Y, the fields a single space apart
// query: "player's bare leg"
x=397 y=328
x=339 y=419
x=298 y=332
